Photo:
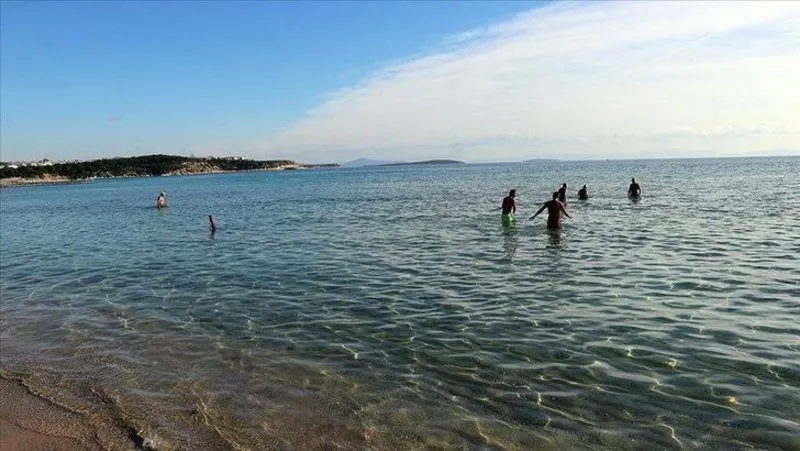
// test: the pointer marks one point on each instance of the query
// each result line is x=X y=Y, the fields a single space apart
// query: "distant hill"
x=361 y=162
x=414 y=163
x=146 y=165
x=541 y=160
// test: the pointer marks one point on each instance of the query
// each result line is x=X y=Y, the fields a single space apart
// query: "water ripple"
x=389 y=309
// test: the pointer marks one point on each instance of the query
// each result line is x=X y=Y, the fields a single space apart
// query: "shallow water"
x=389 y=308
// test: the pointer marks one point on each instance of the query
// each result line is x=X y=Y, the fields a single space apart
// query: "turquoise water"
x=389 y=308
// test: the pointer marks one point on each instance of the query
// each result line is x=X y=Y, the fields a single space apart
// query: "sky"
x=474 y=81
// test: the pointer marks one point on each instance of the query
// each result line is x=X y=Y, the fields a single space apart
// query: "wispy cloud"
x=615 y=79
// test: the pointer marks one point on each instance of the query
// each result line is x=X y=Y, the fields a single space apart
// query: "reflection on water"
x=554 y=238
x=510 y=240
x=363 y=317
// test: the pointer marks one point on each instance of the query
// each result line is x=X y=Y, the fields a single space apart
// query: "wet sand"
x=13 y=437
x=29 y=422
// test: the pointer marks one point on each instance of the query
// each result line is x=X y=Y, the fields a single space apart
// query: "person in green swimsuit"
x=509 y=207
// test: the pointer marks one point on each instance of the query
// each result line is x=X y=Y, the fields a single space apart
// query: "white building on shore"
x=17 y=164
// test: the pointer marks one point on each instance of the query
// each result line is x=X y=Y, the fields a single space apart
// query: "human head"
x=584 y=186
x=512 y=193
x=163 y=193
x=564 y=185
x=633 y=180
x=555 y=195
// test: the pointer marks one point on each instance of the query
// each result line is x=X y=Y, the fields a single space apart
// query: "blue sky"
x=333 y=81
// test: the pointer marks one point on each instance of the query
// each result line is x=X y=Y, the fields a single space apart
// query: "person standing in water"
x=161 y=200
x=562 y=194
x=634 y=190
x=211 y=226
x=583 y=193
x=554 y=209
x=509 y=207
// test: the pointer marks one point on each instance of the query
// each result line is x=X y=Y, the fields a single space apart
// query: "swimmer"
x=554 y=209
x=161 y=200
x=509 y=207
x=583 y=193
x=634 y=190
x=211 y=226
x=562 y=194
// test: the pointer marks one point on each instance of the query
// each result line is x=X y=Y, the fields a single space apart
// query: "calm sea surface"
x=389 y=308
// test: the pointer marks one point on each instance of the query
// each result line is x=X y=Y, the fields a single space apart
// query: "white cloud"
x=613 y=79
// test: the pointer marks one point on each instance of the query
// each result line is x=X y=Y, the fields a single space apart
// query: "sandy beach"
x=29 y=422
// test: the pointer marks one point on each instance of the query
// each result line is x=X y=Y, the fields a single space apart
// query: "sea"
x=390 y=308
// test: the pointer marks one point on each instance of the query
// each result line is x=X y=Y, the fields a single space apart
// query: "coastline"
x=29 y=422
x=50 y=180
x=61 y=180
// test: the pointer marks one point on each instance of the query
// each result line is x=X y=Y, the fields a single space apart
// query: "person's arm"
x=537 y=213
x=565 y=211
x=513 y=207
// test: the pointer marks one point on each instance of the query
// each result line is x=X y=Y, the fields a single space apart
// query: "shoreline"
x=15 y=182
x=21 y=181
x=30 y=422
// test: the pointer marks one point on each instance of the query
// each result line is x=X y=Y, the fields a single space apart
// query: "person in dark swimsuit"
x=554 y=209
x=583 y=193
x=634 y=190
x=562 y=194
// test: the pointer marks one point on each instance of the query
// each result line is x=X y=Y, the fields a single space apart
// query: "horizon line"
x=523 y=160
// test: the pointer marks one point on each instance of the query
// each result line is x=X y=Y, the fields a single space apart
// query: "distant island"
x=541 y=160
x=140 y=166
x=362 y=162
x=426 y=162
